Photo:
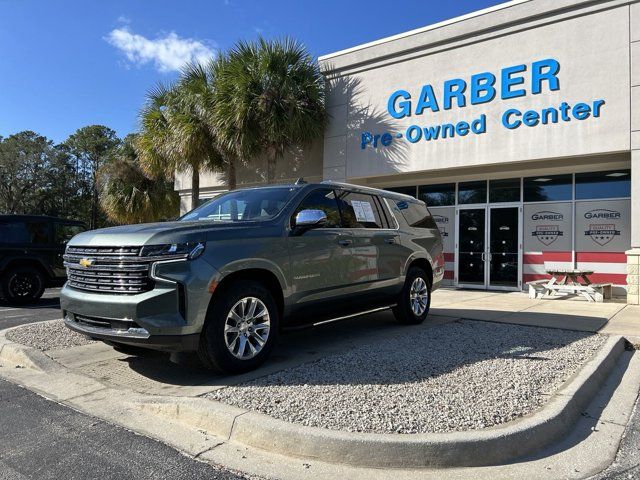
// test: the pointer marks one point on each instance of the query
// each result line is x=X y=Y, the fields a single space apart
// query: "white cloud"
x=168 y=53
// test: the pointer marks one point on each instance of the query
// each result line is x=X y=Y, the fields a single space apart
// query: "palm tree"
x=269 y=97
x=176 y=132
x=129 y=195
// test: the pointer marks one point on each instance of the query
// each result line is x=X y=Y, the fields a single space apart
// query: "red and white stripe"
x=449 y=266
x=608 y=267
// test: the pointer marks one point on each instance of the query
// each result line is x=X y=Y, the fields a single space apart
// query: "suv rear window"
x=416 y=214
x=24 y=232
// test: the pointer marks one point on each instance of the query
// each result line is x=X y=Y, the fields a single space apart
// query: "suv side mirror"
x=310 y=218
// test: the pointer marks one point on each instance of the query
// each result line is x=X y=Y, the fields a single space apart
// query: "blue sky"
x=66 y=64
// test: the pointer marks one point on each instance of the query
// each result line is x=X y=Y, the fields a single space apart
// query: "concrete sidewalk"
x=571 y=313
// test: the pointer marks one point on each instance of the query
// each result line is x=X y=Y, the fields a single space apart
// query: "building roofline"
x=433 y=26
x=482 y=24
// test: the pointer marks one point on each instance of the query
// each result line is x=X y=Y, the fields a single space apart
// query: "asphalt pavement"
x=41 y=439
x=627 y=463
x=46 y=308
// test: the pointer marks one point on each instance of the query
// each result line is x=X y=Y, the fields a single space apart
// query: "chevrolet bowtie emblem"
x=85 y=262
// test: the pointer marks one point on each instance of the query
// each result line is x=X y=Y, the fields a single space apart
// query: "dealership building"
x=518 y=125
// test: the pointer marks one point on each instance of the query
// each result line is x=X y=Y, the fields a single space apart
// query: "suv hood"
x=158 y=233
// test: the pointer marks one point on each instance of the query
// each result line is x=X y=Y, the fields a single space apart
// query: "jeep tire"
x=21 y=285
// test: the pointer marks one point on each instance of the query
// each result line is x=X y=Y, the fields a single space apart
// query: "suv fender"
x=419 y=259
x=253 y=268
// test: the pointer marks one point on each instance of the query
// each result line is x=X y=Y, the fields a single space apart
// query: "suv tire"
x=415 y=298
x=240 y=329
x=21 y=285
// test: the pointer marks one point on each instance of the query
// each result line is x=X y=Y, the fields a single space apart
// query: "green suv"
x=226 y=277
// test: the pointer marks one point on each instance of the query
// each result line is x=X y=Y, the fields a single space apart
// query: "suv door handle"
x=344 y=242
x=390 y=240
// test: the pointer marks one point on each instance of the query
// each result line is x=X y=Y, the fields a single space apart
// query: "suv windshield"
x=243 y=206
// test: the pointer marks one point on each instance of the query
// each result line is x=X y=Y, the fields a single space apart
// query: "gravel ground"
x=47 y=336
x=465 y=375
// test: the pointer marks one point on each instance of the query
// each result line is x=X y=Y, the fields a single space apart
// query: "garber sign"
x=509 y=83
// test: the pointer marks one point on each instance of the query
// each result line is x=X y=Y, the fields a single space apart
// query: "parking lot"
x=314 y=375
x=47 y=308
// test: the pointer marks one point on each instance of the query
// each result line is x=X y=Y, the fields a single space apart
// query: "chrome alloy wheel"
x=246 y=329
x=419 y=296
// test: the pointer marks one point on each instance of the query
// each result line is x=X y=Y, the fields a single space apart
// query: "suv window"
x=416 y=214
x=63 y=232
x=13 y=232
x=359 y=210
x=38 y=232
x=322 y=199
x=243 y=205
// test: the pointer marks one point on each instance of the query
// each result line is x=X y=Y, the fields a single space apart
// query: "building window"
x=548 y=188
x=438 y=195
x=507 y=190
x=411 y=191
x=611 y=184
x=472 y=192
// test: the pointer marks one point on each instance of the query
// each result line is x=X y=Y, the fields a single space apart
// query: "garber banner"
x=455 y=94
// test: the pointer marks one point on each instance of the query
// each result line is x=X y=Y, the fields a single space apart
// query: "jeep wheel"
x=415 y=299
x=240 y=329
x=21 y=285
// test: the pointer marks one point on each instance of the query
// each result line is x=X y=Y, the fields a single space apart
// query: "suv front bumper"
x=168 y=317
x=138 y=337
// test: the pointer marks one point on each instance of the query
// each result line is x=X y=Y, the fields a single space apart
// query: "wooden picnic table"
x=569 y=277
x=569 y=281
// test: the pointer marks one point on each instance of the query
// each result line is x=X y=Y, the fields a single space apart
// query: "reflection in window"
x=547 y=188
x=404 y=190
x=322 y=199
x=438 y=195
x=612 y=184
x=506 y=190
x=472 y=192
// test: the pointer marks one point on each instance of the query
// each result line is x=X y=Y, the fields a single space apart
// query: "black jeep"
x=31 y=249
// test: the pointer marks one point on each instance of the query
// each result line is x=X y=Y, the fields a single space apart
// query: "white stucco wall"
x=592 y=47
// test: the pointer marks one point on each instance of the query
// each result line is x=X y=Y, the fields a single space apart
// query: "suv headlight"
x=174 y=250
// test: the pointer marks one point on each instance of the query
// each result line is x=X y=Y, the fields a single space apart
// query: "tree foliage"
x=129 y=194
x=91 y=147
x=176 y=133
x=269 y=96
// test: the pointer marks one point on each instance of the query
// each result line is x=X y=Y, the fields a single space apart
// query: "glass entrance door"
x=488 y=247
x=503 y=258
x=472 y=226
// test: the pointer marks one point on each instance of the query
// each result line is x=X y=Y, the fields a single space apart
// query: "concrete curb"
x=21 y=356
x=458 y=449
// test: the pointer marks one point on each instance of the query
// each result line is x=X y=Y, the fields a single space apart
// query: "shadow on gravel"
x=375 y=350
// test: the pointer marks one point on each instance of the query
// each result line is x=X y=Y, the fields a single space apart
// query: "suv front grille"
x=108 y=270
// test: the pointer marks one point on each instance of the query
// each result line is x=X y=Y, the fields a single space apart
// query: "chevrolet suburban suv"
x=225 y=278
